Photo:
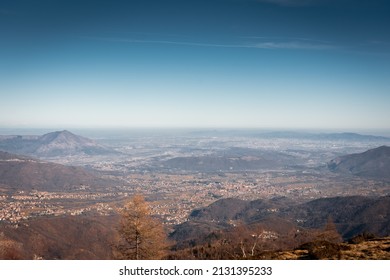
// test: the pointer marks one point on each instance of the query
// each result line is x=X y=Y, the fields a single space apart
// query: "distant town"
x=145 y=166
x=174 y=196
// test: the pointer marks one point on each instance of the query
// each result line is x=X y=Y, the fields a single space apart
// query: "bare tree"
x=330 y=233
x=142 y=237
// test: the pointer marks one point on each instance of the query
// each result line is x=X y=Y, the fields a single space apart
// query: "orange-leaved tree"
x=142 y=236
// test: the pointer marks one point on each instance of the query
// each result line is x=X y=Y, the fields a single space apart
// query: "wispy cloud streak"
x=272 y=45
x=294 y=46
x=164 y=42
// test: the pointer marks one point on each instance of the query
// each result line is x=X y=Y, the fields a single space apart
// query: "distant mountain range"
x=54 y=144
x=346 y=136
x=342 y=136
x=374 y=163
x=25 y=173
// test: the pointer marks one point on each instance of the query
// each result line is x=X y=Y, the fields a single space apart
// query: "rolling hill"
x=374 y=163
x=351 y=215
x=25 y=173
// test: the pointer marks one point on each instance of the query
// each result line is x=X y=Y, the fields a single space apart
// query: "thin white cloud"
x=272 y=45
x=165 y=42
x=287 y=39
x=294 y=46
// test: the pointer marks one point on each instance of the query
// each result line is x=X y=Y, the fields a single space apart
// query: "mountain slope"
x=66 y=143
x=24 y=173
x=374 y=163
x=68 y=237
x=351 y=215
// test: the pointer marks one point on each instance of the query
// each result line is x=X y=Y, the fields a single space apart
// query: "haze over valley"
x=182 y=171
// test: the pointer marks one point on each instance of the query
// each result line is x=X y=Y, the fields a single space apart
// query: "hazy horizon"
x=112 y=132
x=267 y=64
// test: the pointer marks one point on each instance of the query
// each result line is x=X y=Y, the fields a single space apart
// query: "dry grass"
x=376 y=249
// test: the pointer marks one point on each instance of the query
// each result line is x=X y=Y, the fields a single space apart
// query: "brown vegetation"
x=9 y=249
x=141 y=236
x=63 y=238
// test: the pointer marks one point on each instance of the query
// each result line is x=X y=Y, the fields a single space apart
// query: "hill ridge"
x=26 y=173
x=352 y=215
x=373 y=163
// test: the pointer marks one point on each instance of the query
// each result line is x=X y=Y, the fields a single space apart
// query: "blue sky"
x=284 y=64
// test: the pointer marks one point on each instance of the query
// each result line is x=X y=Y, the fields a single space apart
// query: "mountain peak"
x=65 y=132
x=381 y=149
x=54 y=144
x=58 y=133
x=66 y=143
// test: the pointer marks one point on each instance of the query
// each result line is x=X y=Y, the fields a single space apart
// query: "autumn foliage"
x=142 y=236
